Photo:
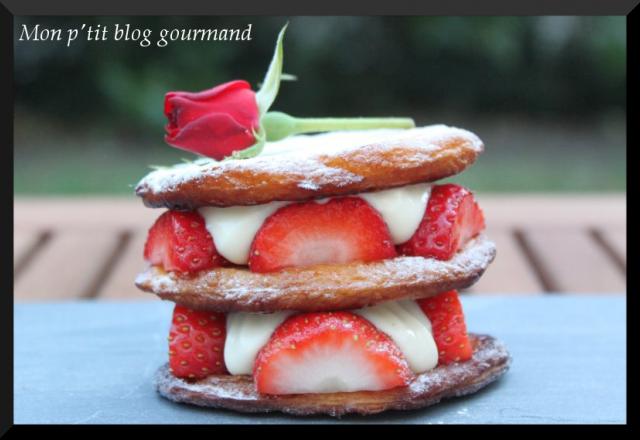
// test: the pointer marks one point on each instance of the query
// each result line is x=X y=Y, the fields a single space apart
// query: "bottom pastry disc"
x=490 y=360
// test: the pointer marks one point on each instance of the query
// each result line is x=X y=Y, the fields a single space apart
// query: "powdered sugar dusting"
x=443 y=375
x=301 y=154
x=337 y=142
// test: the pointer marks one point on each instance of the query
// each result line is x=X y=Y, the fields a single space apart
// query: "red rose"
x=214 y=122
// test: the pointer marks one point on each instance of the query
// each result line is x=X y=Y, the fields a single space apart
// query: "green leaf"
x=271 y=83
x=253 y=150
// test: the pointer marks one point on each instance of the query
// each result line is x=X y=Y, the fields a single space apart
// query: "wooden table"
x=92 y=247
x=93 y=362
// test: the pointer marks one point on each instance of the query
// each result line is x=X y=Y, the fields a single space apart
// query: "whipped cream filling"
x=407 y=325
x=234 y=228
x=403 y=321
x=401 y=208
x=247 y=333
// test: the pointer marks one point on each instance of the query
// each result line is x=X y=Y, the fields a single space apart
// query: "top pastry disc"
x=313 y=166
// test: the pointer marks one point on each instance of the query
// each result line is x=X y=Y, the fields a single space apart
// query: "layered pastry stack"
x=321 y=276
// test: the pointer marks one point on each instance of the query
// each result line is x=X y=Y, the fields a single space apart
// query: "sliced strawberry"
x=329 y=352
x=451 y=219
x=339 y=231
x=196 y=343
x=449 y=330
x=179 y=241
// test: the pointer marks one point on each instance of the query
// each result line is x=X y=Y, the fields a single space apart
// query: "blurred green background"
x=546 y=94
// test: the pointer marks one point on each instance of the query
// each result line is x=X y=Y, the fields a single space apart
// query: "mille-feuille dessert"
x=335 y=294
x=314 y=274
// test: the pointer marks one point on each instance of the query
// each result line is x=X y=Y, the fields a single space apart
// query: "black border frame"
x=326 y=7
x=10 y=8
x=6 y=192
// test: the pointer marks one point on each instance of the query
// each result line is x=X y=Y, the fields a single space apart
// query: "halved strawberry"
x=447 y=323
x=196 y=343
x=329 y=352
x=339 y=231
x=179 y=241
x=451 y=219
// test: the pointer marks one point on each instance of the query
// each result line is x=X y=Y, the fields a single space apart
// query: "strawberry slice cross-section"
x=329 y=352
x=341 y=230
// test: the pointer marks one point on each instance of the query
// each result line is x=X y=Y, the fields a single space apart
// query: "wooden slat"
x=67 y=266
x=616 y=239
x=573 y=261
x=510 y=272
x=23 y=242
x=119 y=284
